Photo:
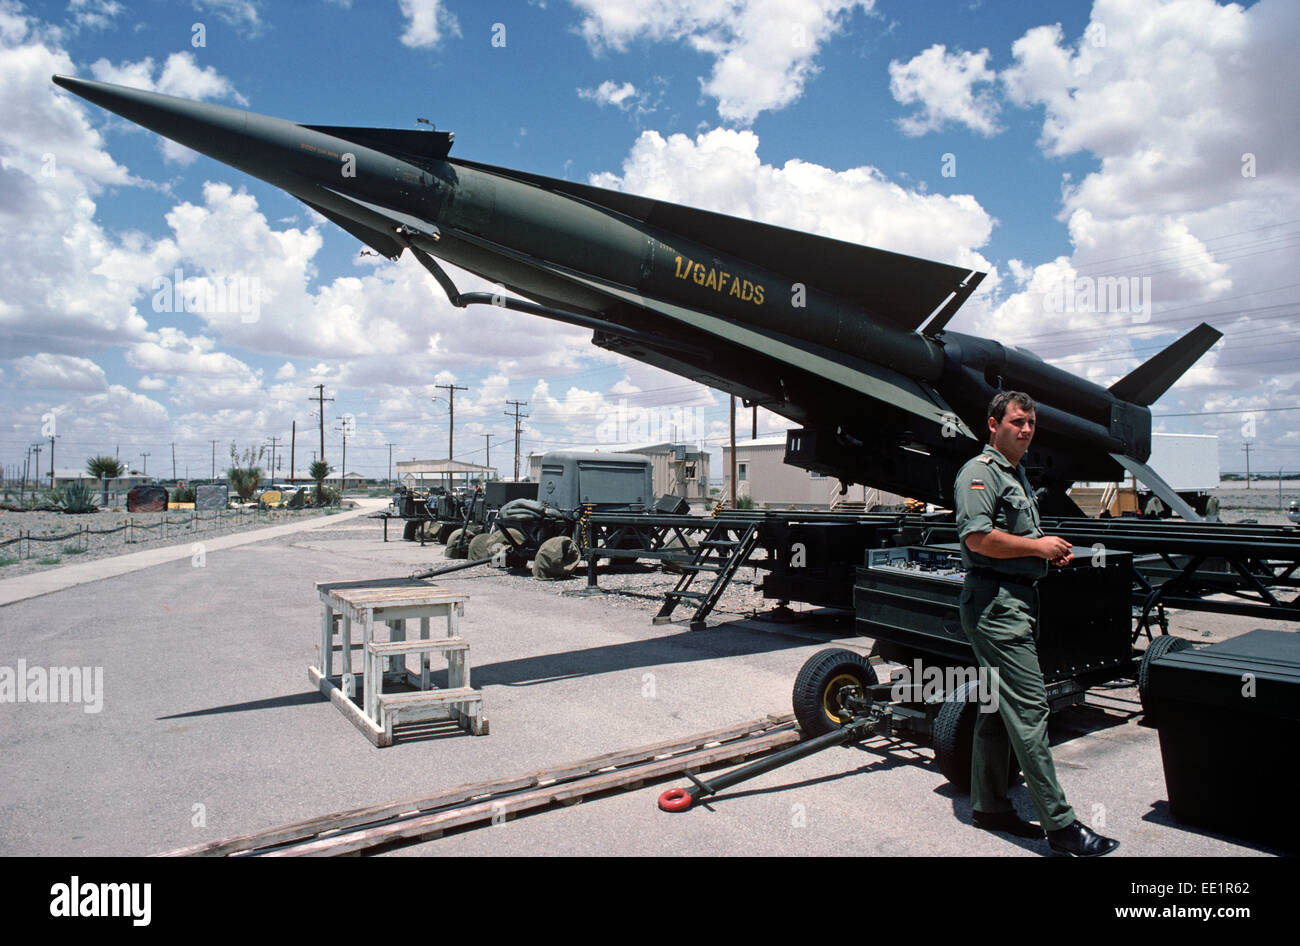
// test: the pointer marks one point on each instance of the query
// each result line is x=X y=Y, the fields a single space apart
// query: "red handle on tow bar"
x=676 y=799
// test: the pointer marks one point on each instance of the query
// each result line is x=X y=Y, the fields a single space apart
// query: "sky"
x=1057 y=147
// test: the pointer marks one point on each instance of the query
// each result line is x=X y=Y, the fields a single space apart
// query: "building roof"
x=439 y=467
x=760 y=442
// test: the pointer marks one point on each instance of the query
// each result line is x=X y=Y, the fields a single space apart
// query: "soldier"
x=1005 y=553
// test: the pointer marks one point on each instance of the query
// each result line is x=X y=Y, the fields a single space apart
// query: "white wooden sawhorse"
x=392 y=602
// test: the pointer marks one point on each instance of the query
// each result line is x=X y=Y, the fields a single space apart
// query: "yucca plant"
x=77 y=498
x=319 y=470
x=183 y=494
x=245 y=473
x=102 y=466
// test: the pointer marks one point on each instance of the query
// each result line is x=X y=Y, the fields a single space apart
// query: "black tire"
x=409 y=529
x=444 y=531
x=819 y=680
x=954 y=739
x=1164 y=644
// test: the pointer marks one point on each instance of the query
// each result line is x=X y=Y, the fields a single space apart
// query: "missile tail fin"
x=1145 y=383
x=1159 y=486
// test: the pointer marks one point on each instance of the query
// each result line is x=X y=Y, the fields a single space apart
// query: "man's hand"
x=1054 y=549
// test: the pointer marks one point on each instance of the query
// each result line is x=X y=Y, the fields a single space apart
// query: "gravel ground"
x=146 y=532
x=638 y=586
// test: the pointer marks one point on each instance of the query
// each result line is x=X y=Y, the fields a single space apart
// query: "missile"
x=847 y=340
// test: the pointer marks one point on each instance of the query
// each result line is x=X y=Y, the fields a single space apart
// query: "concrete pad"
x=209 y=727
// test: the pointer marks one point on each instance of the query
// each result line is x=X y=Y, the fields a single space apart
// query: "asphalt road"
x=209 y=728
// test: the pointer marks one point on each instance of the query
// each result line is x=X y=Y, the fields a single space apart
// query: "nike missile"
x=848 y=340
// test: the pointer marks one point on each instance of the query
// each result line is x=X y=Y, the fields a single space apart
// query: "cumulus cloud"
x=611 y=93
x=943 y=84
x=720 y=170
x=181 y=76
x=69 y=372
x=763 y=50
x=427 y=22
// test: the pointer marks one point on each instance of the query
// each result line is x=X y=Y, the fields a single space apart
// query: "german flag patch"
x=976 y=484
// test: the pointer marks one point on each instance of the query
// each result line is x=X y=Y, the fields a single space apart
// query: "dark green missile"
x=847 y=340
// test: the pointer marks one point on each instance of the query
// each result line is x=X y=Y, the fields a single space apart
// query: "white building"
x=763 y=476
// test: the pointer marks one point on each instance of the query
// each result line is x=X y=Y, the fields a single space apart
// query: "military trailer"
x=571 y=485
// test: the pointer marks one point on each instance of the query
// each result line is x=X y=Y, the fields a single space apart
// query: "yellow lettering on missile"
x=719 y=280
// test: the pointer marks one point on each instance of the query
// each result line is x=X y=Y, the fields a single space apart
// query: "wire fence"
x=191 y=523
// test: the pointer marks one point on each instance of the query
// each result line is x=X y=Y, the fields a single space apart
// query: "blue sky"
x=1088 y=141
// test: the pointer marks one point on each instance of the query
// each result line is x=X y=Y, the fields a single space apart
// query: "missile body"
x=848 y=340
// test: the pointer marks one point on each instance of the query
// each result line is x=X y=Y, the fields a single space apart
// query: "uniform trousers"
x=1000 y=617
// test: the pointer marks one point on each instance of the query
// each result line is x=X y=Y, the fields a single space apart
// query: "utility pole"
x=51 y=462
x=214 y=460
x=451 y=390
x=518 y=416
x=734 y=486
x=173 y=461
x=487 y=445
x=274 y=442
x=390 y=447
x=145 y=471
x=320 y=399
x=1246 y=447
x=293 y=445
x=346 y=427
x=36 y=480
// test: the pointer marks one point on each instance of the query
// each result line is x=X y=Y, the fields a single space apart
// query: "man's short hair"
x=998 y=406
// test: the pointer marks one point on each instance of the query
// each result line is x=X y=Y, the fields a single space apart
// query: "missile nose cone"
x=214 y=130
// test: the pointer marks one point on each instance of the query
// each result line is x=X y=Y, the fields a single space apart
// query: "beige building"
x=763 y=475
x=675 y=468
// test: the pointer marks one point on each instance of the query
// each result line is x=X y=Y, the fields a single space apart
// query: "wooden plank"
x=350 y=710
x=535 y=798
x=388 y=648
x=310 y=827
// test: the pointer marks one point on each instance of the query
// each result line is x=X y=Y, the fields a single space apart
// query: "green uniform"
x=999 y=613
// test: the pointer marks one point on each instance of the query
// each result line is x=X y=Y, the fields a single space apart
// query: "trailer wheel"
x=444 y=531
x=408 y=529
x=1164 y=644
x=816 y=696
x=954 y=738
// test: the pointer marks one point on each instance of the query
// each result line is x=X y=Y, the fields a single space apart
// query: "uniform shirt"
x=991 y=494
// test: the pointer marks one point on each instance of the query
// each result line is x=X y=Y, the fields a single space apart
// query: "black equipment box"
x=1229 y=719
x=907 y=600
x=499 y=493
x=814 y=561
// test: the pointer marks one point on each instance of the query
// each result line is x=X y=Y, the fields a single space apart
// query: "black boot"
x=1078 y=840
x=1006 y=821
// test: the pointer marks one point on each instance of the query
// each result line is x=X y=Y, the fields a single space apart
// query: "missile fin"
x=902 y=290
x=1157 y=485
x=421 y=144
x=398 y=218
x=1145 y=383
x=386 y=245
